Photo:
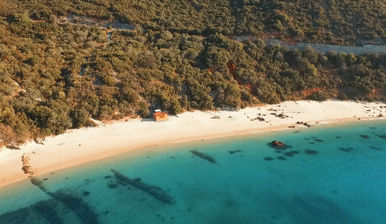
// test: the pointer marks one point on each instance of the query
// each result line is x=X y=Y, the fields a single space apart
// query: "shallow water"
x=325 y=175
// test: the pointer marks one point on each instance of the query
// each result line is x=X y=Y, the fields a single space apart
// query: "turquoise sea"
x=327 y=174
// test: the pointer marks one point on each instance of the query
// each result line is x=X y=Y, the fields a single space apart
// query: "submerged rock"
x=365 y=136
x=203 y=156
x=382 y=136
x=234 y=151
x=47 y=211
x=346 y=149
x=375 y=148
x=112 y=185
x=268 y=158
x=311 y=152
x=278 y=145
x=41 y=212
x=154 y=191
x=291 y=153
x=73 y=203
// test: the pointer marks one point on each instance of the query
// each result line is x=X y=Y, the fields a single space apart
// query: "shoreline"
x=87 y=145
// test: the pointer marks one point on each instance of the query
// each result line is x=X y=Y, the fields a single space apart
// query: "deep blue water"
x=333 y=174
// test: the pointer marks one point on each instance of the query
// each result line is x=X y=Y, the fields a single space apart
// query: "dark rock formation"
x=375 y=148
x=75 y=204
x=346 y=149
x=46 y=210
x=27 y=169
x=26 y=160
x=153 y=191
x=258 y=118
x=112 y=185
x=311 y=152
x=234 y=151
x=365 y=136
x=13 y=147
x=40 y=212
x=203 y=156
x=291 y=153
x=278 y=145
x=382 y=136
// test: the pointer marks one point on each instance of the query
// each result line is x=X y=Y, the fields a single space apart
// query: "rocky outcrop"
x=13 y=147
x=276 y=144
x=26 y=160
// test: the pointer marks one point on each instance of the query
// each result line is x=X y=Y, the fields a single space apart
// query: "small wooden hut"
x=158 y=115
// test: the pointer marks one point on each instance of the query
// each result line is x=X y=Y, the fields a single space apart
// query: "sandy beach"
x=84 y=145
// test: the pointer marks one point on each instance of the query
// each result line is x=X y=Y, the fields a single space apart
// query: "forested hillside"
x=321 y=21
x=56 y=73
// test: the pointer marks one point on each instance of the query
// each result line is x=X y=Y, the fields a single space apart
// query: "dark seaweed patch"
x=154 y=191
x=107 y=177
x=316 y=139
x=365 y=136
x=234 y=151
x=291 y=153
x=76 y=205
x=48 y=213
x=311 y=152
x=382 y=136
x=203 y=156
x=346 y=149
x=281 y=158
x=375 y=148
x=86 y=193
x=338 y=137
x=312 y=143
x=318 y=209
x=268 y=158
x=43 y=211
x=112 y=185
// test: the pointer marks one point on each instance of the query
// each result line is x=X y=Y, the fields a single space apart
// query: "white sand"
x=89 y=144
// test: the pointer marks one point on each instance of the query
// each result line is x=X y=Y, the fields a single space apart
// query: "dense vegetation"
x=323 y=21
x=57 y=75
